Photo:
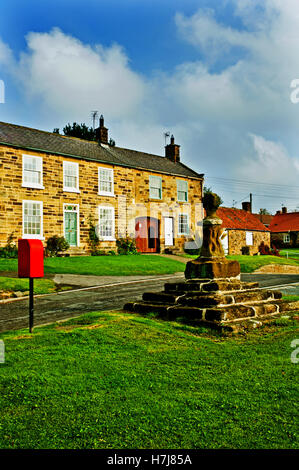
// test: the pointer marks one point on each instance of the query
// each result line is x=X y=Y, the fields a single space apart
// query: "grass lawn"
x=41 y=286
x=290 y=252
x=120 y=265
x=123 y=381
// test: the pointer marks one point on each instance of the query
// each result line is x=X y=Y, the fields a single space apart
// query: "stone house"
x=284 y=229
x=56 y=185
x=241 y=229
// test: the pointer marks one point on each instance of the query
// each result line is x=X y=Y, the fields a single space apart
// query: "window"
x=286 y=238
x=249 y=238
x=71 y=176
x=106 y=223
x=182 y=190
x=155 y=187
x=32 y=219
x=106 y=186
x=183 y=224
x=32 y=172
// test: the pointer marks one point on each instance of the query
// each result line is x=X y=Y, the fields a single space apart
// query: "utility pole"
x=250 y=196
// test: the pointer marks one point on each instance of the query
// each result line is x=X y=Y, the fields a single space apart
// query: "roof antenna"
x=166 y=134
x=94 y=114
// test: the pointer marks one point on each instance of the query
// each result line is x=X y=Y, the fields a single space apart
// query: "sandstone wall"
x=131 y=200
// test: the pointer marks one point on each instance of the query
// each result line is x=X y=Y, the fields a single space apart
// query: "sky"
x=218 y=75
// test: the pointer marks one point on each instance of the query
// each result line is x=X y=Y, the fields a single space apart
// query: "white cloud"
x=73 y=78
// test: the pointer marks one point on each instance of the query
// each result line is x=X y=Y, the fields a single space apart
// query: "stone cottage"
x=284 y=229
x=56 y=185
x=242 y=229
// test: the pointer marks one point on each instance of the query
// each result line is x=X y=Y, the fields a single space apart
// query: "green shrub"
x=55 y=245
x=10 y=250
x=126 y=246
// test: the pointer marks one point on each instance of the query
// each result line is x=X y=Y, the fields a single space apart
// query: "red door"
x=147 y=235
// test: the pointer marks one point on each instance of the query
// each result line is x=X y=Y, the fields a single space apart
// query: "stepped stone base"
x=223 y=303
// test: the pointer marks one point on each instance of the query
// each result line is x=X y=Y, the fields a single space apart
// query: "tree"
x=207 y=190
x=264 y=212
x=82 y=131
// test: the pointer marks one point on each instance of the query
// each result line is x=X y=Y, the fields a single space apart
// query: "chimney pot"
x=172 y=151
x=246 y=206
x=102 y=132
x=284 y=210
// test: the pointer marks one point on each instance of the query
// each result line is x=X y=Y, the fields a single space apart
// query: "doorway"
x=147 y=235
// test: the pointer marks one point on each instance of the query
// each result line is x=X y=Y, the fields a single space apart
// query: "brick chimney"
x=246 y=206
x=172 y=151
x=284 y=210
x=278 y=212
x=102 y=132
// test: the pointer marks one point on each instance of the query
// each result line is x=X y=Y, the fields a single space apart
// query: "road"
x=112 y=294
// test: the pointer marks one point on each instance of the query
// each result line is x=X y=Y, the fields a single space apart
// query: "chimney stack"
x=278 y=212
x=172 y=151
x=284 y=210
x=102 y=132
x=246 y=206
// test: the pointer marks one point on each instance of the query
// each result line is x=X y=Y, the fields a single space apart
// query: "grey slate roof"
x=34 y=139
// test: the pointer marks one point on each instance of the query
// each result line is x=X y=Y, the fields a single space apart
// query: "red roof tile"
x=239 y=219
x=288 y=222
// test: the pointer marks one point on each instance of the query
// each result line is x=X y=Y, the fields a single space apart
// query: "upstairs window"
x=182 y=191
x=71 y=176
x=155 y=187
x=183 y=224
x=32 y=172
x=106 y=182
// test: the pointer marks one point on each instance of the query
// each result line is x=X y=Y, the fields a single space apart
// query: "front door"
x=147 y=235
x=71 y=226
x=168 y=227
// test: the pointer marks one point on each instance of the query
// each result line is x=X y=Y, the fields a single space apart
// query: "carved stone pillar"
x=212 y=263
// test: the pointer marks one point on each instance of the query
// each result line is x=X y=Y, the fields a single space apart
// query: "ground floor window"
x=106 y=225
x=286 y=238
x=183 y=224
x=249 y=238
x=32 y=219
x=71 y=223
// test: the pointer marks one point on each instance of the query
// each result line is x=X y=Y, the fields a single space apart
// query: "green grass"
x=41 y=286
x=292 y=252
x=249 y=264
x=116 y=380
x=121 y=265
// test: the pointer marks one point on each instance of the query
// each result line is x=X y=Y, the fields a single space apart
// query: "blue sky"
x=216 y=74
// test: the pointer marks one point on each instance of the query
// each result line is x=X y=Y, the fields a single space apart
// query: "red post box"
x=30 y=258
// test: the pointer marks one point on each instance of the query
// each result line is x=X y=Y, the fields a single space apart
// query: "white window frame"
x=286 y=238
x=100 y=191
x=152 y=178
x=78 y=220
x=104 y=237
x=29 y=184
x=186 y=191
x=70 y=188
x=183 y=233
x=33 y=236
x=249 y=238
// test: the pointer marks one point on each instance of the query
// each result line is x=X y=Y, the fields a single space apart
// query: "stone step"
x=160 y=297
x=226 y=298
x=208 y=286
x=217 y=314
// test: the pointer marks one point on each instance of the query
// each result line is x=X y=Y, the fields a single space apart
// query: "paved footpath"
x=95 y=293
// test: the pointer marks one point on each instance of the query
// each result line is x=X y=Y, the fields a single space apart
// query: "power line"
x=251 y=182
